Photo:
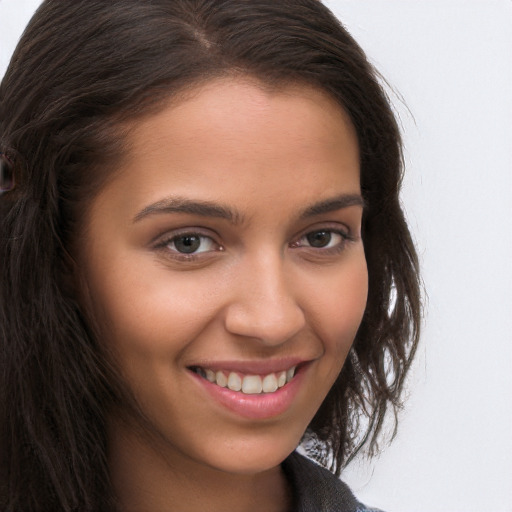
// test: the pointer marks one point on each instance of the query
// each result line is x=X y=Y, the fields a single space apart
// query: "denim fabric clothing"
x=317 y=490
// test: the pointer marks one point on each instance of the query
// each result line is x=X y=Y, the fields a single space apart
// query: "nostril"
x=268 y=325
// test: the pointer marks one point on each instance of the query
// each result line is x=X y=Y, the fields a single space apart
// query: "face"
x=225 y=268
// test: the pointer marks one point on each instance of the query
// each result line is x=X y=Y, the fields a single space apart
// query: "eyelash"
x=164 y=244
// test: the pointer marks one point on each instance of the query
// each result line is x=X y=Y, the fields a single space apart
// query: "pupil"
x=187 y=244
x=319 y=238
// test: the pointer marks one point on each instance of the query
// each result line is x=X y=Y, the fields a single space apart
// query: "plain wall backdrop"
x=449 y=63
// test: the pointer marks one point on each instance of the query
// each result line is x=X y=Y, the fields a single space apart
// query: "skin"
x=256 y=290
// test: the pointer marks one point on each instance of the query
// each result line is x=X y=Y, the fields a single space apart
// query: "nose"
x=264 y=305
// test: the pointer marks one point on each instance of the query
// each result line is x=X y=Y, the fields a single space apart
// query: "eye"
x=326 y=239
x=189 y=244
x=320 y=239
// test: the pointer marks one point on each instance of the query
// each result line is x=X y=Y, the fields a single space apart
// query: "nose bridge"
x=264 y=304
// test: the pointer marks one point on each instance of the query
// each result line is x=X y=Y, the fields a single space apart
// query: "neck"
x=146 y=476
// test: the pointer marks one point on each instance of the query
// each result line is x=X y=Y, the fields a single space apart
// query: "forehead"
x=237 y=141
x=244 y=102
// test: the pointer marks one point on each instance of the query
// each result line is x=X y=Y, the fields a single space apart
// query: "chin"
x=251 y=461
x=251 y=453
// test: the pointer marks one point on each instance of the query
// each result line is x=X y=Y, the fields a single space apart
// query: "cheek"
x=148 y=310
x=339 y=306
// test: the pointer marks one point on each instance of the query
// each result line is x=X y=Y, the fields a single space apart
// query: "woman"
x=204 y=259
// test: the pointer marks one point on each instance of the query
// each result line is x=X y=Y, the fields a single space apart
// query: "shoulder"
x=317 y=490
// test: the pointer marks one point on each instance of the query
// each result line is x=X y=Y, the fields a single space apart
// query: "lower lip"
x=259 y=406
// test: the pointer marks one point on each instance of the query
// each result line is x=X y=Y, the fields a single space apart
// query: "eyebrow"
x=183 y=205
x=333 y=204
x=215 y=210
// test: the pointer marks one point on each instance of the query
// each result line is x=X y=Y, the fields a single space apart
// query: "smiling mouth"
x=247 y=384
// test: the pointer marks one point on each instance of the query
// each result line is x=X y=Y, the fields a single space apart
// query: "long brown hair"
x=81 y=69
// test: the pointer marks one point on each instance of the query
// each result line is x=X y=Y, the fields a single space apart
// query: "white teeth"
x=269 y=383
x=234 y=382
x=252 y=385
x=221 y=379
x=248 y=384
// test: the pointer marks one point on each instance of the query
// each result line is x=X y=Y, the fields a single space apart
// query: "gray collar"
x=316 y=489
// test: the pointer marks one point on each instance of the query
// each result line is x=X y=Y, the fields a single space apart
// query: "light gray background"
x=450 y=62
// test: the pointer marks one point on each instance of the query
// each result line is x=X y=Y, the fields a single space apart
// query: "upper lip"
x=256 y=367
